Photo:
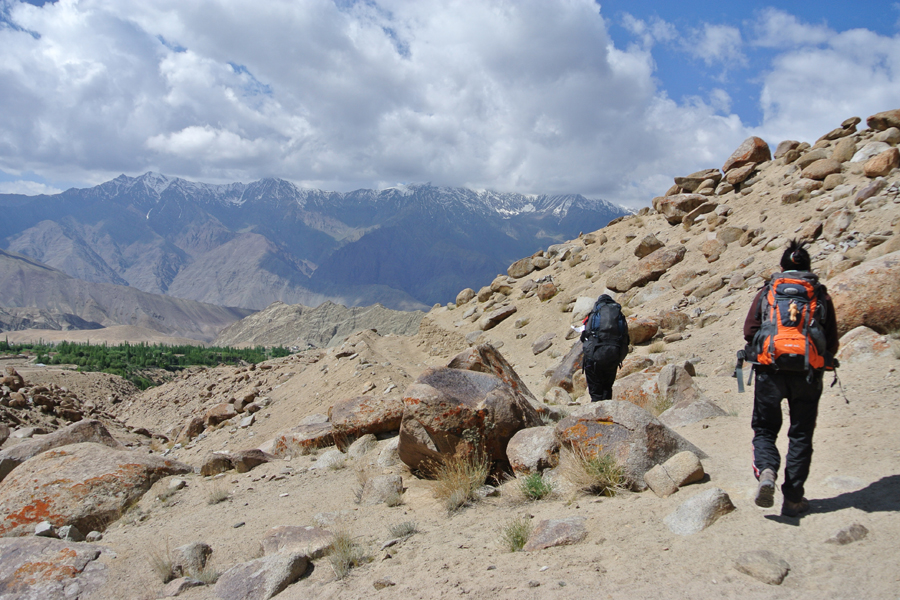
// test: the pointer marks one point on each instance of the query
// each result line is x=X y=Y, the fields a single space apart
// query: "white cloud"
x=813 y=88
x=778 y=29
x=717 y=44
x=651 y=31
x=530 y=95
x=27 y=188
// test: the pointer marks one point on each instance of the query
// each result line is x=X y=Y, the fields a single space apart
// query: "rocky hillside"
x=249 y=245
x=298 y=326
x=301 y=486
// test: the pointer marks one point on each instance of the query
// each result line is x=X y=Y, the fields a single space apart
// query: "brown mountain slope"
x=26 y=283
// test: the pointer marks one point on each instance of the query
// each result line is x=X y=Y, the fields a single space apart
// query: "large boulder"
x=40 y=568
x=641 y=389
x=868 y=294
x=262 y=578
x=686 y=412
x=484 y=358
x=821 y=169
x=692 y=182
x=650 y=268
x=882 y=164
x=352 y=418
x=76 y=433
x=314 y=542
x=520 y=268
x=649 y=243
x=675 y=208
x=86 y=485
x=884 y=120
x=752 y=150
x=453 y=410
x=219 y=414
x=495 y=317
x=862 y=344
x=563 y=375
x=641 y=329
x=532 y=450
x=636 y=439
x=302 y=439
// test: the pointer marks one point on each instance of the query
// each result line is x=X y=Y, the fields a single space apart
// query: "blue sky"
x=608 y=99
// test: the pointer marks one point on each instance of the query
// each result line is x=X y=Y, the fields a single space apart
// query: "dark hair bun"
x=795 y=257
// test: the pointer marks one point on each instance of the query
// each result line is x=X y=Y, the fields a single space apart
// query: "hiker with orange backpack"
x=792 y=338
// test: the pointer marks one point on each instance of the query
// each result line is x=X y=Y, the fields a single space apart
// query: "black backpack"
x=605 y=337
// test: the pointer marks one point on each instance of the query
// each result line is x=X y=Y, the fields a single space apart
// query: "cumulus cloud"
x=27 y=188
x=778 y=29
x=650 y=31
x=817 y=85
x=530 y=96
x=717 y=44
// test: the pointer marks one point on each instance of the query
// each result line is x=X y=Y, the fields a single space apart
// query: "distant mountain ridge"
x=249 y=245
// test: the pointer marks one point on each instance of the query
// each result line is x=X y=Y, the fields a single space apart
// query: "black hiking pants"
x=803 y=401
x=600 y=379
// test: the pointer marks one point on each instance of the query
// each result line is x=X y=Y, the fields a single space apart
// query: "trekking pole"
x=837 y=380
x=739 y=371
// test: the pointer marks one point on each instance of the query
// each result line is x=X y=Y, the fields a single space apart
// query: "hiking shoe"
x=794 y=509
x=765 y=493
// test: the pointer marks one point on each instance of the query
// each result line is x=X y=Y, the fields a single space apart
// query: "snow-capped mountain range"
x=248 y=245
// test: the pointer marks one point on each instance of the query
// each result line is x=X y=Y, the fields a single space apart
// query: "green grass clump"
x=515 y=532
x=533 y=487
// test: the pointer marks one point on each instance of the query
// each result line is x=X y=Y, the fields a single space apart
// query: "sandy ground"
x=629 y=551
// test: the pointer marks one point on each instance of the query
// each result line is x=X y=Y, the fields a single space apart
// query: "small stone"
x=848 y=535
x=699 y=512
x=238 y=525
x=763 y=565
x=93 y=536
x=70 y=533
x=380 y=584
x=556 y=532
x=46 y=529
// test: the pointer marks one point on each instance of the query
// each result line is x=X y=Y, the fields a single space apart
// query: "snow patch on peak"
x=155 y=181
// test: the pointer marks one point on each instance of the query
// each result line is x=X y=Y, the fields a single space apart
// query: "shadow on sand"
x=880 y=496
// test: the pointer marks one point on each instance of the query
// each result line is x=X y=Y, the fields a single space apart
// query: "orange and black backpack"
x=791 y=336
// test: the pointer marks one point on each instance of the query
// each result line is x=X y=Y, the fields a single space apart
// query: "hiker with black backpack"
x=791 y=334
x=605 y=345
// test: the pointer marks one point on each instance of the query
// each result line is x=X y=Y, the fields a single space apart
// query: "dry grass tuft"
x=162 y=563
x=657 y=347
x=346 y=554
x=599 y=474
x=457 y=478
x=403 y=530
x=216 y=493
